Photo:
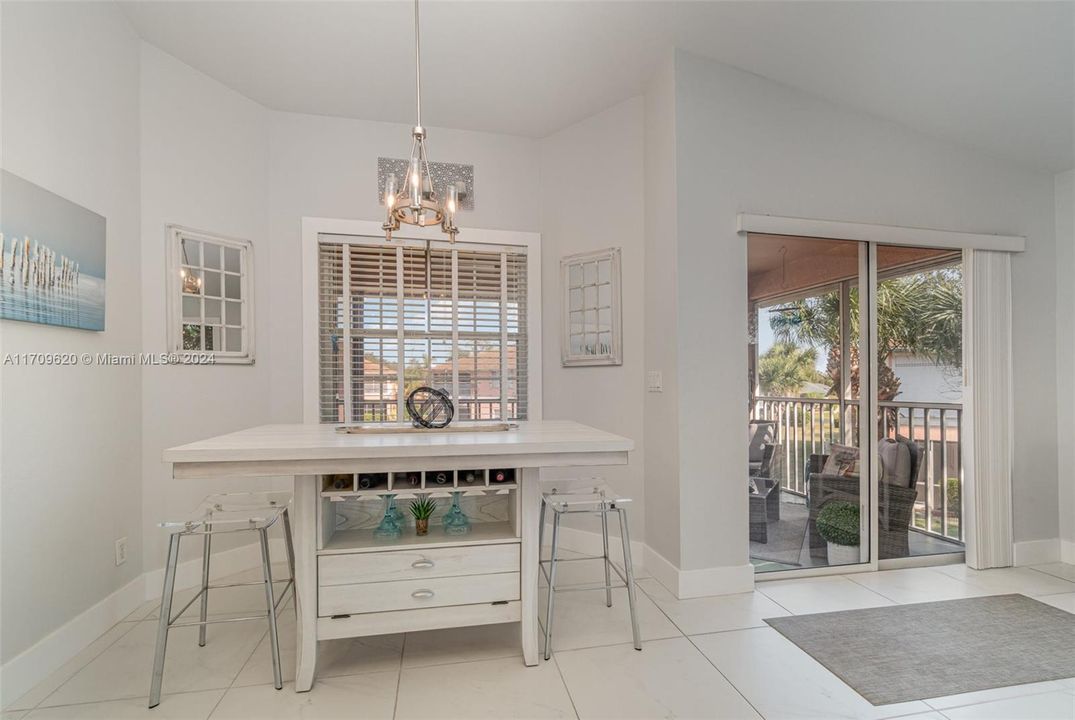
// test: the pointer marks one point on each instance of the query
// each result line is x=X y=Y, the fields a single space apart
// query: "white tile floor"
x=703 y=658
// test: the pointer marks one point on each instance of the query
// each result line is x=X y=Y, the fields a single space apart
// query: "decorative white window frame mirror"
x=591 y=329
x=178 y=265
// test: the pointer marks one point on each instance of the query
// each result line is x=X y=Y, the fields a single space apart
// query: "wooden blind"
x=330 y=336
x=459 y=325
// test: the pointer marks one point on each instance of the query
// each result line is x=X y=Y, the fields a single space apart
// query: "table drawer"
x=356 y=568
x=410 y=594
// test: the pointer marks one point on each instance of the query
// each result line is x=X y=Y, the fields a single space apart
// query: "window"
x=210 y=290
x=456 y=322
x=591 y=325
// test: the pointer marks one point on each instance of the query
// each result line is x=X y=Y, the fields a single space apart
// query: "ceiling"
x=999 y=77
x=779 y=266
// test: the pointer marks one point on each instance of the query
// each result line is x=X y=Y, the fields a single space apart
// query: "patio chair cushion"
x=895 y=462
x=761 y=434
x=916 y=459
x=843 y=461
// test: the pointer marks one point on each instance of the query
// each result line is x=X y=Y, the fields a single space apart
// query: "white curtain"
x=987 y=342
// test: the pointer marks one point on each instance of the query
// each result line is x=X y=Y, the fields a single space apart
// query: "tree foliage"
x=920 y=314
x=785 y=368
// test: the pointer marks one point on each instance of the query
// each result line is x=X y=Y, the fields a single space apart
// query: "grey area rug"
x=913 y=652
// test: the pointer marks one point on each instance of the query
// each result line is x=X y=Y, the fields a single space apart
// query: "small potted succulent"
x=838 y=525
x=422 y=509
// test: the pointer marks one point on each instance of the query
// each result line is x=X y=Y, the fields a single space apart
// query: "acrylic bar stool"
x=219 y=514
x=590 y=497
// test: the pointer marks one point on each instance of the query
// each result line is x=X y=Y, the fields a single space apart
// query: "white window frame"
x=614 y=356
x=367 y=231
x=174 y=304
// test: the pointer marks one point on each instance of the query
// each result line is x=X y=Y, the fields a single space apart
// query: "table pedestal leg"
x=304 y=530
x=530 y=555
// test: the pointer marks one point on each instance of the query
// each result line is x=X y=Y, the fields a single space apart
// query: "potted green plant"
x=838 y=524
x=422 y=509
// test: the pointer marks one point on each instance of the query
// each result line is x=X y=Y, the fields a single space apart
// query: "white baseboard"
x=1067 y=551
x=699 y=583
x=1036 y=552
x=662 y=570
x=589 y=543
x=716 y=581
x=20 y=674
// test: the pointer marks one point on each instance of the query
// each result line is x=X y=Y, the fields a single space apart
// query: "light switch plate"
x=654 y=381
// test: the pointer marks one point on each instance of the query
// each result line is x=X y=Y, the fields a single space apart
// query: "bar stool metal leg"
x=604 y=540
x=552 y=584
x=290 y=547
x=205 y=584
x=165 y=617
x=274 y=639
x=625 y=538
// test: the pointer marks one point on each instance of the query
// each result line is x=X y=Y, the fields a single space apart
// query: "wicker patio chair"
x=895 y=506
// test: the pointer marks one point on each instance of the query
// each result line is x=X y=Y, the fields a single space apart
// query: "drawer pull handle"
x=422 y=594
x=421 y=564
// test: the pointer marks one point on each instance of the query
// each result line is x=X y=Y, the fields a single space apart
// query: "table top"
x=322 y=442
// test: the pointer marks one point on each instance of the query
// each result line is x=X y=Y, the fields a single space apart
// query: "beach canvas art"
x=52 y=258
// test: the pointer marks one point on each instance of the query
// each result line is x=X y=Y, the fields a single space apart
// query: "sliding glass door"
x=808 y=435
x=919 y=378
x=855 y=413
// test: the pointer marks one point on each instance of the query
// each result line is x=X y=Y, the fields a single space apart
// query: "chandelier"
x=416 y=202
x=192 y=284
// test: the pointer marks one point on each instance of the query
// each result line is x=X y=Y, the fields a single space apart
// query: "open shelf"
x=329 y=482
x=481 y=533
x=401 y=482
x=344 y=494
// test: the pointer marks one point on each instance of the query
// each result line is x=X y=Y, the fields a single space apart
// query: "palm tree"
x=920 y=314
x=785 y=368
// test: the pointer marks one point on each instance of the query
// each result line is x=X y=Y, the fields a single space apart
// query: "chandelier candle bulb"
x=389 y=207
x=389 y=194
x=453 y=202
x=416 y=187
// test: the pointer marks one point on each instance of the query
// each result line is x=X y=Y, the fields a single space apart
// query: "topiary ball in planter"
x=838 y=524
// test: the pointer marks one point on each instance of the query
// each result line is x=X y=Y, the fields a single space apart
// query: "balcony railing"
x=808 y=426
x=380 y=411
x=937 y=428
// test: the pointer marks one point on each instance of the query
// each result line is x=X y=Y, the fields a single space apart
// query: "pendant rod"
x=417 y=66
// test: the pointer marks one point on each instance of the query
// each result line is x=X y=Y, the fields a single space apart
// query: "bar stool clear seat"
x=225 y=511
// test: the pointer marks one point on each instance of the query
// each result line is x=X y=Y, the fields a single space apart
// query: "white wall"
x=1065 y=355
x=661 y=409
x=205 y=165
x=744 y=143
x=71 y=436
x=327 y=167
x=586 y=170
